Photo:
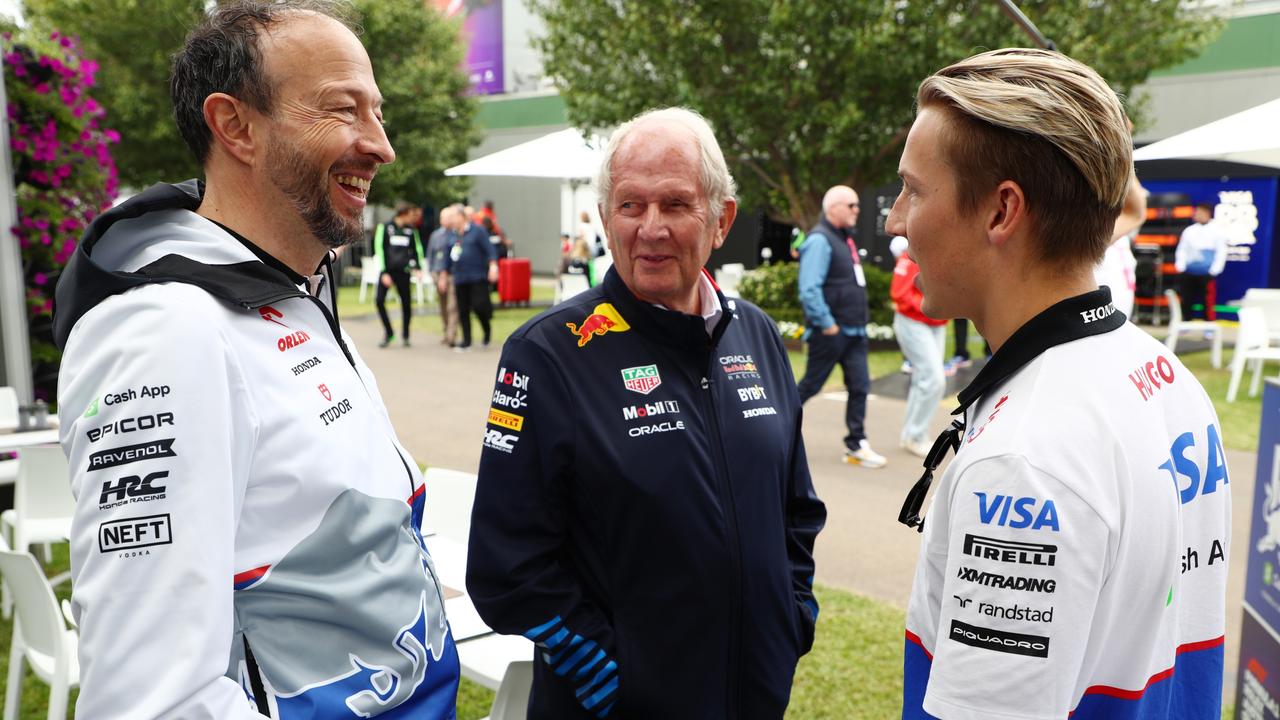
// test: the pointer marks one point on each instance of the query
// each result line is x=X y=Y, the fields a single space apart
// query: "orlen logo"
x=270 y=314
x=513 y=378
x=1152 y=376
x=997 y=510
x=1097 y=313
x=288 y=342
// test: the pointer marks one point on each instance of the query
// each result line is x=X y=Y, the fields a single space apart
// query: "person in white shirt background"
x=1201 y=256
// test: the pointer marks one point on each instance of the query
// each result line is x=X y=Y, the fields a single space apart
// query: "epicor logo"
x=270 y=314
x=288 y=342
x=128 y=425
x=603 y=319
x=513 y=378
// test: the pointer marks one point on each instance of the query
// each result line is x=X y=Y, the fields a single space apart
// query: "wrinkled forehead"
x=658 y=149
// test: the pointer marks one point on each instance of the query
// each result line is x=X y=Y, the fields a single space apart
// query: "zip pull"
x=705 y=384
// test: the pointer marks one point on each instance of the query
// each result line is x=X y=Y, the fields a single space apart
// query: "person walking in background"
x=397 y=249
x=438 y=247
x=833 y=291
x=644 y=511
x=471 y=264
x=1074 y=558
x=1200 y=257
x=1117 y=269
x=923 y=341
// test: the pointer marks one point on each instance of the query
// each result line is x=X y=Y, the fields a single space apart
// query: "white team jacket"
x=238 y=484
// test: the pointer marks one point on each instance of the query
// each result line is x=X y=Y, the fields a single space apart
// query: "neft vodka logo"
x=661 y=407
x=999 y=641
x=130 y=454
x=132 y=533
x=1008 y=551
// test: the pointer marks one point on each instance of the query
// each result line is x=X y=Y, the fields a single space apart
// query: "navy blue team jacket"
x=645 y=512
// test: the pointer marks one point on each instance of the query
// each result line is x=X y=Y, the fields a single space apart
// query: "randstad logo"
x=603 y=319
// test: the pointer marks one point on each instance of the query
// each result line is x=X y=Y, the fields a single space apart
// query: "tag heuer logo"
x=641 y=379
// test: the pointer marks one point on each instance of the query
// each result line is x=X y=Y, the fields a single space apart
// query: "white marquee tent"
x=1250 y=137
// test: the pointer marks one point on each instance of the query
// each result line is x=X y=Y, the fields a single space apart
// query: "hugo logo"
x=1152 y=376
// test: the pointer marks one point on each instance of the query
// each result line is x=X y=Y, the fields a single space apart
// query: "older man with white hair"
x=644 y=510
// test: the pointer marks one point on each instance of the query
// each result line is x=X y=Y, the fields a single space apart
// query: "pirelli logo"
x=1008 y=551
x=511 y=421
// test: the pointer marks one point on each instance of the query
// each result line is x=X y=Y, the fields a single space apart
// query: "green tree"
x=416 y=55
x=805 y=94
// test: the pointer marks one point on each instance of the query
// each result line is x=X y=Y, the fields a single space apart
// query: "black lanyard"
x=1077 y=317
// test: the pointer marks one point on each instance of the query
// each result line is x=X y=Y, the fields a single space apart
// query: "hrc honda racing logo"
x=131 y=489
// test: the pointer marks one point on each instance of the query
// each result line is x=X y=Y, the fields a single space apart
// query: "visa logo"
x=1199 y=482
x=997 y=511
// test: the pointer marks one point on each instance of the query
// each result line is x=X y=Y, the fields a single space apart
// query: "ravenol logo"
x=603 y=319
x=641 y=379
x=93 y=408
x=507 y=420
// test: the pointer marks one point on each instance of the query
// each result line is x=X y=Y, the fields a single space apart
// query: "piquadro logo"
x=642 y=379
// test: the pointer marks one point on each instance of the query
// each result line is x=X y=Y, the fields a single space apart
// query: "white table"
x=10 y=441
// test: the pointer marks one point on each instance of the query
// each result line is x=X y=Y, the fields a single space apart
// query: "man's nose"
x=373 y=141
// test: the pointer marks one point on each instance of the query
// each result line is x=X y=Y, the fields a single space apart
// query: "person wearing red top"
x=923 y=341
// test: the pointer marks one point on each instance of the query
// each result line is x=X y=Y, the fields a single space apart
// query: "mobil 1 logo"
x=131 y=536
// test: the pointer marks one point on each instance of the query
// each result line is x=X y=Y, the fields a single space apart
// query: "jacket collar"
x=668 y=327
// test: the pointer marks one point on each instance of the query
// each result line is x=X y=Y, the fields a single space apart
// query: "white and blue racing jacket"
x=245 y=540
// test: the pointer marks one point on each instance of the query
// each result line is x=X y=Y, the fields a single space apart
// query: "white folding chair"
x=42 y=505
x=450 y=494
x=369 y=276
x=1251 y=345
x=41 y=638
x=512 y=700
x=1177 y=326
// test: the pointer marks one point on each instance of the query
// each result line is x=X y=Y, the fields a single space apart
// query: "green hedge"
x=776 y=289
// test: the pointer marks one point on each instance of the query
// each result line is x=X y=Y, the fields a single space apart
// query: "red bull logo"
x=603 y=319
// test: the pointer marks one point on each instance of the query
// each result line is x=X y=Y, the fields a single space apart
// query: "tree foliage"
x=805 y=94
x=416 y=55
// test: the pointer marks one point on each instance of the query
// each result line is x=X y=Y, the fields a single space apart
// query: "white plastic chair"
x=450 y=494
x=728 y=276
x=369 y=276
x=571 y=284
x=512 y=700
x=41 y=638
x=8 y=423
x=42 y=504
x=1251 y=345
x=1177 y=326
x=1268 y=300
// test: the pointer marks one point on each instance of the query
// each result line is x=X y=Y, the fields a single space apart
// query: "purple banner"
x=1258 y=682
x=482 y=34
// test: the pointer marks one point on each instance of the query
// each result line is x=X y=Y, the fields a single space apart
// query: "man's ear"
x=726 y=221
x=1007 y=214
x=231 y=123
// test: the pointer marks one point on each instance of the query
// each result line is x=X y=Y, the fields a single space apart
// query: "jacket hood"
x=156 y=237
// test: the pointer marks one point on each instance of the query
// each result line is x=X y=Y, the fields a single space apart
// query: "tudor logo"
x=324 y=390
x=270 y=314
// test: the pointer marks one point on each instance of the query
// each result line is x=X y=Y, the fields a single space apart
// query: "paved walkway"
x=438 y=400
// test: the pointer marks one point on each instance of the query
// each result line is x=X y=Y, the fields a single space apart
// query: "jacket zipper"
x=735 y=546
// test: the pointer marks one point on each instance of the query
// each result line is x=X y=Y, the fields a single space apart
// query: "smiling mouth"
x=355 y=185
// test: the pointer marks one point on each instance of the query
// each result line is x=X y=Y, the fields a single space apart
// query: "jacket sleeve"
x=815 y=261
x=519 y=568
x=422 y=256
x=806 y=515
x=380 y=256
x=1183 y=249
x=147 y=375
x=1219 y=252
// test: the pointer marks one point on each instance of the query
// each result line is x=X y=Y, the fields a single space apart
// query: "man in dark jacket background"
x=833 y=290
x=644 y=510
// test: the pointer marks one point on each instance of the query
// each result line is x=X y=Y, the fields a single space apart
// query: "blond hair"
x=1050 y=124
